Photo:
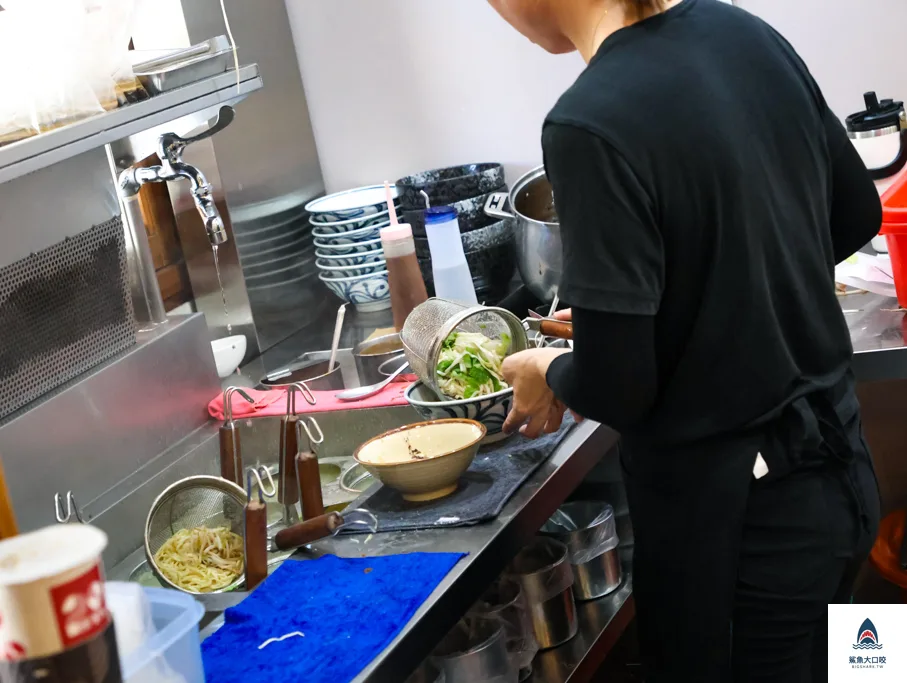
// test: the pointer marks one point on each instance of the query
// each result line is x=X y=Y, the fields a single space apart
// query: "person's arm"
x=613 y=278
x=856 y=211
x=613 y=346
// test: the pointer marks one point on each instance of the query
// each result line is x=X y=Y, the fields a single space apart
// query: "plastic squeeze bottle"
x=403 y=275
x=448 y=262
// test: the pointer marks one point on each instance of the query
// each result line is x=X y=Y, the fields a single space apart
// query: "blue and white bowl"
x=359 y=202
x=490 y=410
x=346 y=248
x=352 y=237
x=351 y=225
x=331 y=258
x=333 y=270
x=367 y=293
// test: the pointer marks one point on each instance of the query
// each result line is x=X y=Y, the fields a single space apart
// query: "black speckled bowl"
x=470 y=214
x=489 y=237
x=449 y=185
x=492 y=268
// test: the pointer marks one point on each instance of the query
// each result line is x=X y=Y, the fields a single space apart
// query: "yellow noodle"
x=201 y=560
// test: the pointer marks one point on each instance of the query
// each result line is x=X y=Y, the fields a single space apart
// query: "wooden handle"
x=230 y=469
x=8 y=526
x=309 y=485
x=307 y=531
x=288 y=488
x=556 y=329
x=256 y=543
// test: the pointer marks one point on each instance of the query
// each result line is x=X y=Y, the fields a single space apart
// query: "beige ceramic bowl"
x=423 y=461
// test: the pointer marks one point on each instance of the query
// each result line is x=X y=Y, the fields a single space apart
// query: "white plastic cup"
x=51 y=591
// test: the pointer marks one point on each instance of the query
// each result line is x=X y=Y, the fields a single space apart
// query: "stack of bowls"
x=346 y=229
x=487 y=242
x=277 y=254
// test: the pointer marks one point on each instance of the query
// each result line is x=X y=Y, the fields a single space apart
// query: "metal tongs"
x=548 y=327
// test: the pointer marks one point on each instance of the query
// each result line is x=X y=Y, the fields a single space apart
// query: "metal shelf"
x=40 y=151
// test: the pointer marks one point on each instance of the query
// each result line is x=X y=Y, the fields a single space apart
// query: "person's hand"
x=535 y=409
x=566 y=315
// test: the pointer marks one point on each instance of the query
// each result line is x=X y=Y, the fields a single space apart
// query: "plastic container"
x=403 y=275
x=173 y=652
x=894 y=228
x=449 y=269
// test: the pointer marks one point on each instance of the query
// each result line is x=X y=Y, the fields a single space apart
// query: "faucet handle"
x=172 y=145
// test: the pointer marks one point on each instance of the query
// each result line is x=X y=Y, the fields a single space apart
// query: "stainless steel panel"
x=114 y=422
x=48 y=206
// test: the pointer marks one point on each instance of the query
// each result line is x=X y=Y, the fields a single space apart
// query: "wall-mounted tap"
x=170 y=151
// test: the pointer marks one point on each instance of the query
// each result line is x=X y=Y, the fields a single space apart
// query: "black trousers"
x=805 y=537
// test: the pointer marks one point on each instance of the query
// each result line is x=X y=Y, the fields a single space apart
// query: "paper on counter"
x=872 y=273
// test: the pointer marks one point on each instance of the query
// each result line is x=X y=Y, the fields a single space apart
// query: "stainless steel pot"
x=546 y=577
x=538 y=233
x=372 y=358
x=475 y=651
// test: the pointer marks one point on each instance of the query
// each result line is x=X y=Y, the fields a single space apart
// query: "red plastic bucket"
x=894 y=227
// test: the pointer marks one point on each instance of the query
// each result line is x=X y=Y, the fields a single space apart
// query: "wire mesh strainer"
x=432 y=322
x=193 y=502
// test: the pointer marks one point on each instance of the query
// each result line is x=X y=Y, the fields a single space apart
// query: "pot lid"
x=877 y=115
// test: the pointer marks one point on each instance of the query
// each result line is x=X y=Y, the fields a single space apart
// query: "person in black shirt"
x=705 y=193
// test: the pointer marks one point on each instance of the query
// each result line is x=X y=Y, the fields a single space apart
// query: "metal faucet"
x=170 y=151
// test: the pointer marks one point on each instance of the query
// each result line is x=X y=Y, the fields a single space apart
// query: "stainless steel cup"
x=546 y=577
x=504 y=602
x=475 y=651
x=371 y=355
x=588 y=530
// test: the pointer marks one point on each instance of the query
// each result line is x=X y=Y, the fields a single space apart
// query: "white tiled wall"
x=396 y=86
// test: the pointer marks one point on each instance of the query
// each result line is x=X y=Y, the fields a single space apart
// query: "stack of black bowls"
x=487 y=242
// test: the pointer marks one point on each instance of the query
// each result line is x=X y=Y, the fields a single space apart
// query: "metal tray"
x=179 y=74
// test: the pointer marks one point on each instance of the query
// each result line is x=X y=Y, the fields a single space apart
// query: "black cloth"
x=701 y=179
x=732 y=575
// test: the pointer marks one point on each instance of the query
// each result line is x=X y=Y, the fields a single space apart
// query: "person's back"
x=725 y=132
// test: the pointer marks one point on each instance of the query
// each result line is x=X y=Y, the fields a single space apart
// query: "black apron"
x=688 y=506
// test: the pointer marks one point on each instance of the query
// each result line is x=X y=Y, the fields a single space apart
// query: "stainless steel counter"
x=490 y=546
x=877 y=330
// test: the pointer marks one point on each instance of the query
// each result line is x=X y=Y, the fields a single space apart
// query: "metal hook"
x=427 y=200
x=291 y=396
x=228 y=402
x=312 y=440
x=249 y=477
x=255 y=472
x=72 y=508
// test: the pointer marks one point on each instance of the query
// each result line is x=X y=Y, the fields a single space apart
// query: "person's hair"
x=641 y=9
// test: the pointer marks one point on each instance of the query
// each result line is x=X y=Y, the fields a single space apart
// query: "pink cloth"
x=273 y=402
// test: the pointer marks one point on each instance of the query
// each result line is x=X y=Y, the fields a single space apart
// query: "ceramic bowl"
x=449 y=185
x=328 y=228
x=367 y=293
x=367 y=234
x=349 y=204
x=363 y=259
x=490 y=411
x=347 y=248
x=228 y=354
x=423 y=461
x=470 y=215
x=349 y=271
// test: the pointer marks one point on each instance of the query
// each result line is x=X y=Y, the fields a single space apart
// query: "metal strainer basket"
x=432 y=322
x=192 y=502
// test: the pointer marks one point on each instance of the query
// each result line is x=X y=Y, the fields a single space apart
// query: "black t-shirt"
x=693 y=169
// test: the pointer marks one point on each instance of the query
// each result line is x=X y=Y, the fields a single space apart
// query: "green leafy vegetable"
x=470 y=365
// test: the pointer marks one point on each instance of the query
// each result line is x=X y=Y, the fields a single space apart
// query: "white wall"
x=850 y=46
x=396 y=86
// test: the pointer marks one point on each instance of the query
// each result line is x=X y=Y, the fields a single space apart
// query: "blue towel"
x=348 y=611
